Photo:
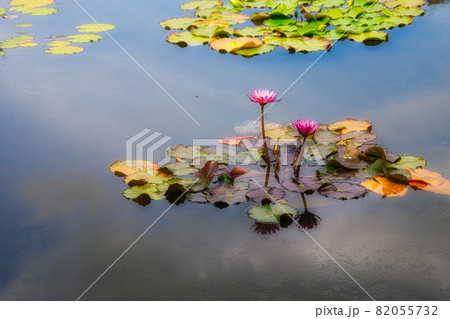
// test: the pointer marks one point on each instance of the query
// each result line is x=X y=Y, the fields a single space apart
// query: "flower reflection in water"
x=265 y=229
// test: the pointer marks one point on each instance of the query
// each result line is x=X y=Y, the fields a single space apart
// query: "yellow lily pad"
x=94 y=27
x=69 y=49
x=57 y=43
x=83 y=38
x=23 y=25
x=231 y=45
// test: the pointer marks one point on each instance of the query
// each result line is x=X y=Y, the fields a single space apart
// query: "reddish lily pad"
x=303 y=184
x=342 y=190
x=265 y=193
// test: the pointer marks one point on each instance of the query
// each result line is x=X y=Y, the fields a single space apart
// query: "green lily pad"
x=346 y=163
x=271 y=213
x=372 y=36
x=251 y=32
x=186 y=152
x=178 y=23
x=265 y=48
x=151 y=190
x=181 y=168
x=300 y=44
x=328 y=3
x=200 y=4
x=186 y=38
x=408 y=161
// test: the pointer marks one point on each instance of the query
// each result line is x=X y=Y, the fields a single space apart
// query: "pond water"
x=65 y=119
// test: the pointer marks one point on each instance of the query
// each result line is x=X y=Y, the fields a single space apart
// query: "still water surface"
x=66 y=118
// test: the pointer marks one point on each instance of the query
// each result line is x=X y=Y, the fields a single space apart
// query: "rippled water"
x=66 y=118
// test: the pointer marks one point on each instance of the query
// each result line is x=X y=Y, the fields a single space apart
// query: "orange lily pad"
x=385 y=187
x=129 y=167
x=231 y=45
x=429 y=181
x=350 y=125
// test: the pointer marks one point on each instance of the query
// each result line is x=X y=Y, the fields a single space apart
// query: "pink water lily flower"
x=263 y=96
x=305 y=127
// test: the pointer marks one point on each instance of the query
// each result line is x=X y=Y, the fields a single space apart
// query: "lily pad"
x=385 y=187
x=186 y=38
x=284 y=24
x=350 y=125
x=22 y=25
x=186 y=152
x=200 y=4
x=129 y=167
x=271 y=213
x=151 y=191
x=64 y=50
x=181 y=168
x=37 y=11
x=409 y=161
x=342 y=190
x=347 y=163
x=369 y=37
x=82 y=38
x=303 y=184
x=94 y=27
x=272 y=194
x=230 y=45
x=205 y=175
x=224 y=195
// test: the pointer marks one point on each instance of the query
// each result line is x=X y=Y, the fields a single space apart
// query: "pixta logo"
x=147 y=145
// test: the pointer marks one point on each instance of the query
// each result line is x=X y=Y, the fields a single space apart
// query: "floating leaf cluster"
x=64 y=45
x=295 y=25
x=33 y=7
x=60 y=44
x=344 y=160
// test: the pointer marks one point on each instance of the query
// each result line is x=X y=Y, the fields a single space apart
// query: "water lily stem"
x=266 y=151
x=304 y=202
x=298 y=163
